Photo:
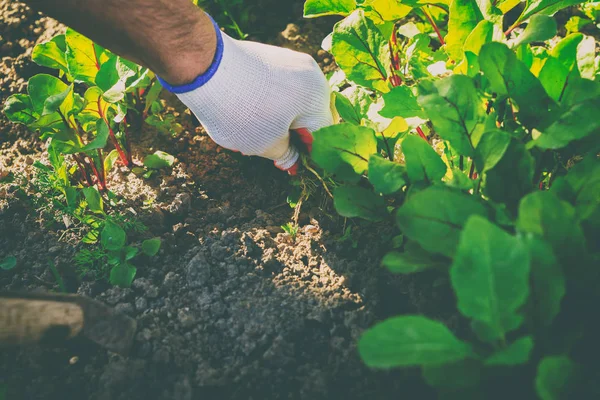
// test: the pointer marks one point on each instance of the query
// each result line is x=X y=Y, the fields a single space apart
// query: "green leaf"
x=455 y=109
x=83 y=57
x=554 y=77
x=412 y=259
x=512 y=177
x=18 y=108
x=539 y=29
x=554 y=374
x=491 y=148
x=42 y=86
x=547 y=281
x=358 y=47
x=355 y=201
x=109 y=160
x=554 y=220
x=509 y=77
x=464 y=17
x=94 y=200
x=153 y=94
x=8 y=263
x=344 y=149
x=490 y=275
x=54 y=102
x=101 y=138
x=130 y=252
x=318 y=8
x=91 y=237
x=112 y=78
x=409 y=341
x=586 y=58
x=456 y=375
x=386 y=176
x=401 y=102
x=158 y=160
x=578 y=122
x=545 y=7
x=122 y=275
x=516 y=353
x=51 y=54
x=435 y=216
x=346 y=110
x=422 y=162
x=112 y=237
x=151 y=247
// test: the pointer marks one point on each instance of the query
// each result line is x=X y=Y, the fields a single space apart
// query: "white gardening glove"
x=253 y=95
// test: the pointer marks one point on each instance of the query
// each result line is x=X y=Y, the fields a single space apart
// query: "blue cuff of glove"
x=205 y=77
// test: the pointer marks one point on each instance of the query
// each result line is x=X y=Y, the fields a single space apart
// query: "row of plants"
x=86 y=111
x=477 y=135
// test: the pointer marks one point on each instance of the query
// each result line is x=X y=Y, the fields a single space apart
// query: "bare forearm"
x=173 y=38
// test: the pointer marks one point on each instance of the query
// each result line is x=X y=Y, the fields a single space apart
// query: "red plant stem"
x=122 y=155
x=434 y=25
x=99 y=181
x=422 y=134
x=103 y=172
x=127 y=143
x=83 y=170
x=542 y=185
x=472 y=171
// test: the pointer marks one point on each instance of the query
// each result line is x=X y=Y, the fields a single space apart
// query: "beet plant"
x=85 y=109
x=478 y=137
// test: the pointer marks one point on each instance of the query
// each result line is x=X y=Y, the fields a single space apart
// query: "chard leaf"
x=547 y=281
x=540 y=28
x=554 y=374
x=344 y=150
x=112 y=237
x=101 y=138
x=435 y=216
x=412 y=259
x=158 y=160
x=554 y=77
x=109 y=160
x=95 y=107
x=55 y=102
x=464 y=17
x=358 y=47
x=18 y=108
x=51 y=54
x=41 y=87
x=509 y=77
x=112 y=78
x=577 y=122
x=355 y=201
x=346 y=110
x=546 y=216
x=318 y=8
x=422 y=162
x=122 y=275
x=512 y=177
x=409 y=341
x=387 y=177
x=491 y=149
x=151 y=247
x=516 y=353
x=153 y=94
x=83 y=56
x=490 y=276
x=545 y=7
x=8 y=263
x=401 y=102
x=456 y=110
x=94 y=200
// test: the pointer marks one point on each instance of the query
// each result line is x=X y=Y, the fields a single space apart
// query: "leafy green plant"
x=8 y=263
x=476 y=136
x=291 y=229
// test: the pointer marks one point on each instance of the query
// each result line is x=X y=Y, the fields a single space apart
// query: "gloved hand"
x=253 y=95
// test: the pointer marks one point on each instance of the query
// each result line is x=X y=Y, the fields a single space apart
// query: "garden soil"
x=232 y=307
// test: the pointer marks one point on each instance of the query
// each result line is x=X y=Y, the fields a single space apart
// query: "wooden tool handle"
x=28 y=321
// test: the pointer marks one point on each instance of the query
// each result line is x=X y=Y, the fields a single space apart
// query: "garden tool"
x=52 y=319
